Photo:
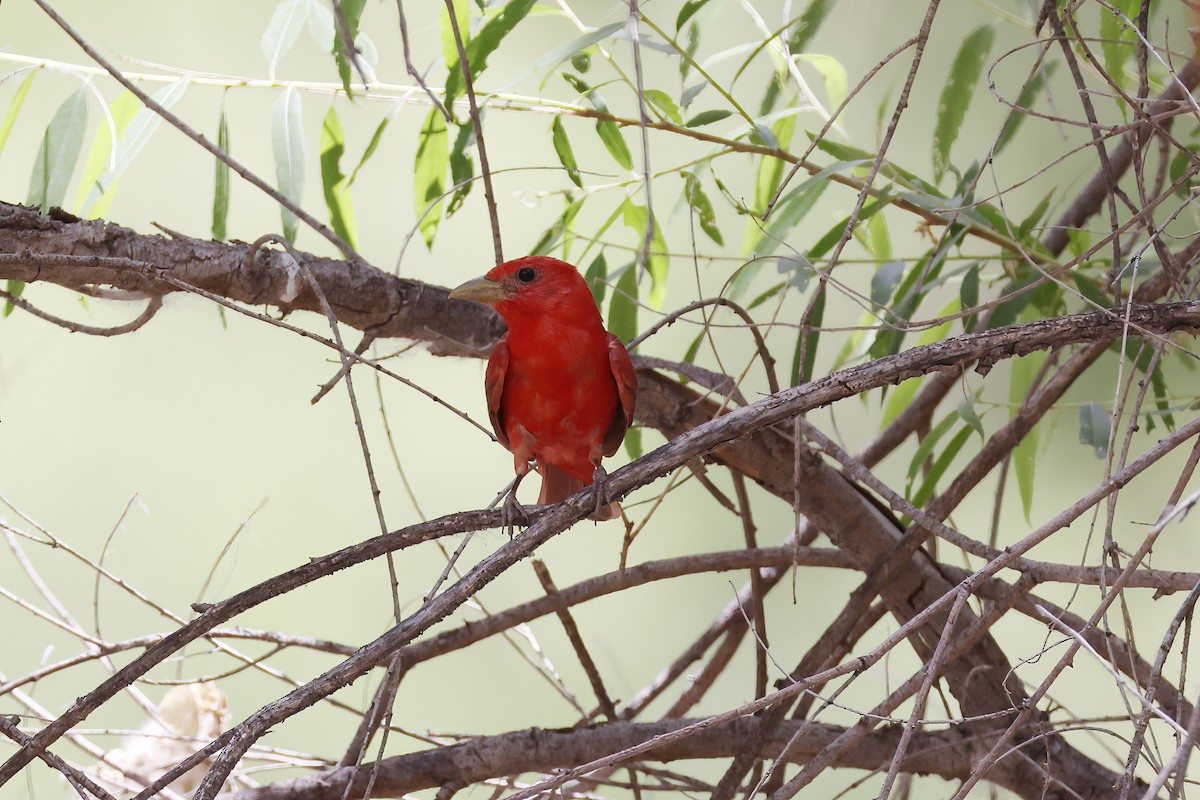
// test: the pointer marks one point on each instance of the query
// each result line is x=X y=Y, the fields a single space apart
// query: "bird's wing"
x=493 y=386
x=622 y=371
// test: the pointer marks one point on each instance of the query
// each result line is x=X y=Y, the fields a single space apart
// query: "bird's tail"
x=558 y=486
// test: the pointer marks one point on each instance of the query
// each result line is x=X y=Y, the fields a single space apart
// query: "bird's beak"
x=480 y=290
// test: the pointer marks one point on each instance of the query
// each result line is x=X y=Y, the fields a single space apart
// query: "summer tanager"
x=560 y=388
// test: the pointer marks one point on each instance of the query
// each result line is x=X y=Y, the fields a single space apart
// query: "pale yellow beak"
x=480 y=290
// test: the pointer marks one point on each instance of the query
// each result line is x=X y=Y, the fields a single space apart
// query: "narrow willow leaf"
x=281 y=32
x=371 y=145
x=633 y=443
x=287 y=144
x=333 y=182
x=637 y=218
x=575 y=50
x=462 y=15
x=566 y=156
x=707 y=118
x=698 y=200
x=939 y=467
x=925 y=450
x=787 y=214
x=429 y=174
x=1035 y=217
x=129 y=145
x=15 y=288
x=809 y=24
x=100 y=155
x=1116 y=38
x=597 y=277
x=484 y=44
x=622 y=308
x=878 y=237
x=832 y=73
x=885 y=280
x=1024 y=457
x=770 y=168
x=351 y=14
x=968 y=295
x=1094 y=426
x=687 y=12
x=1029 y=94
x=462 y=168
x=966 y=410
x=663 y=102
x=957 y=93
x=614 y=142
x=14 y=108
x=220 y=210
x=901 y=398
x=802 y=372
x=58 y=152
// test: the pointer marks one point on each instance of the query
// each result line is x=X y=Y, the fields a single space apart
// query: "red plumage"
x=560 y=388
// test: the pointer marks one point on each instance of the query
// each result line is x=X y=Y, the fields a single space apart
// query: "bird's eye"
x=526 y=274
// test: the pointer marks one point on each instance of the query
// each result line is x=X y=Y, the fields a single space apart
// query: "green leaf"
x=566 y=156
x=832 y=73
x=282 y=31
x=15 y=288
x=633 y=443
x=879 y=240
x=663 y=102
x=484 y=44
x=809 y=24
x=1116 y=36
x=900 y=399
x=58 y=152
x=1088 y=288
x=802 y=373
x=622 y=308
x=462 y=168
x=597 y=277
x=371 y=145
x=351 y=15
x=1029 y=94
x=939 y=467
x=14 y=108
x=462 y=15
x=968 y=295
x=129 y=144
x=966 y=410
x=1094 y=426
x=707 y=118
x=687 y=12
x=957 y=93
x=699 y=202
x=770 y=168
x=121 y=111
x=614 y=142
x=1007 y=312
x=333 y=181
x=429 y=174
x=637 y=218
x=1024 y=455
x=220 y=211
x=885 y=280
x=287 y=144
x=575 y=50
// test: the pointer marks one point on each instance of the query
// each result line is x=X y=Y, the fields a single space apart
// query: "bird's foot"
x=602 y=507
x=512 y=514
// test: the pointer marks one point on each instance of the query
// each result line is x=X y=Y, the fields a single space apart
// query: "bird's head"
x=532 y=285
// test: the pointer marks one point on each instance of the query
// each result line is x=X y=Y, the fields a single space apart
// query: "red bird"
x=560 y=388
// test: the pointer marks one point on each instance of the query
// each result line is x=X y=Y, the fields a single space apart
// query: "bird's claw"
x=599 y=491
x=512 y=514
